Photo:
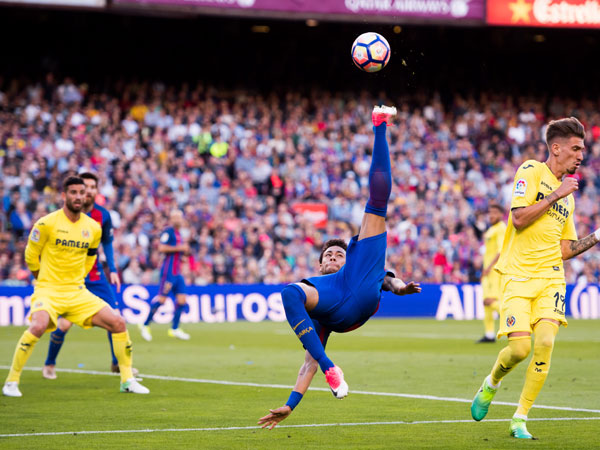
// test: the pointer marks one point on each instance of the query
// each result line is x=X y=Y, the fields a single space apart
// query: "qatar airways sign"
x=545 y=13
x=454 y=10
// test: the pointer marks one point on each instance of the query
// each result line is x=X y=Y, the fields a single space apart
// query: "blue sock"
x=177 y=315
x=112 y=350
x=380 y=174
x=154 y=305
x=56 y=341
x=293 y=302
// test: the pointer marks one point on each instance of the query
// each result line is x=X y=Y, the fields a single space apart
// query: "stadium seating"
x=243 y=167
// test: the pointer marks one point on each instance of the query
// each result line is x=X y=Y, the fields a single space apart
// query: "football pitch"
x=411 y=382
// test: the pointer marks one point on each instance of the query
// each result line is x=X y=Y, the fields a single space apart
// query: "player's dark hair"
x=496 y=206
x=332 y=243
x=89 y=176
x=70 y=181
x=564 y=128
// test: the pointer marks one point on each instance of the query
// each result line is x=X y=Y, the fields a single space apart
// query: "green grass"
x=400 y=356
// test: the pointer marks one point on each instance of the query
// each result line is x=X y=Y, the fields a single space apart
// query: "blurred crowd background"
x=236 y=162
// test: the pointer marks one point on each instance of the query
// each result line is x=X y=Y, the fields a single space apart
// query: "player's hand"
x=410 y=288
x=185 y=248
x=114 y=279
x=568 y=186
x=276 y=416
x=398 y=287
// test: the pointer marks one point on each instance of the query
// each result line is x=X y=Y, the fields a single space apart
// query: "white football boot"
x=179 y=334
x=11 y=389
x=133 y=387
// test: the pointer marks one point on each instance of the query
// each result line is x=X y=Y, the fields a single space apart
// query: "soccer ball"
x=370 y=52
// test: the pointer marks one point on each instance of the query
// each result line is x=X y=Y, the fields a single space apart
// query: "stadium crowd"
x=237 y=163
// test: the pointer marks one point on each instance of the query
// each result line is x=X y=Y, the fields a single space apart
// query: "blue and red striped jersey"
x=172 y=262
x=102 y=216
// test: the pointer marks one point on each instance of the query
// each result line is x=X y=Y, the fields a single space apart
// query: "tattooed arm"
x=571 y=249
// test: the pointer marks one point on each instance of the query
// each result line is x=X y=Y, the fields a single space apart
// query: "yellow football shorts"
x=76 y=305
x=490 y=284
x=525 y=301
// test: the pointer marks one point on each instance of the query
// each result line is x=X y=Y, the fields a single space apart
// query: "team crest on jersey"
x=566 y=200
x=35 y=235
x=520 y=188
x=85 y=234
x=510 y=321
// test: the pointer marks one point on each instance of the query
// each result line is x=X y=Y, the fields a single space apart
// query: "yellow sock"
x=511 y=355
x=488 y=321
x=122 y=348
x=22 y=353
x=536 y=374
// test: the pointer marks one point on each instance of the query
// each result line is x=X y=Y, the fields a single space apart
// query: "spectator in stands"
x=20 y=220
x=237 y=163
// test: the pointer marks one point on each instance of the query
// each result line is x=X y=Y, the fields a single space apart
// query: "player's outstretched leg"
x=122 y=345
x=535 y=376
x=107 y=319
x=380 y=172
x=22 y=352
x=294 y=299
x=516 y=351
x=483 y=399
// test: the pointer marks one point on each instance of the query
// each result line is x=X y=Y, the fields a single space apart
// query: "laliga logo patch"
x=38 y=304
x=520 y=188
x=85 y=234
x=35 y=235
x=510 y=321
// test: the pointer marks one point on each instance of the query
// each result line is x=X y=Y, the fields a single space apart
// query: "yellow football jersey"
x=58 y=248
x=493 y=237
x=534 y=251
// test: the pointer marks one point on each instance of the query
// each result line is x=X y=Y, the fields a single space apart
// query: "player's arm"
x=398 y=287
x=164 y=248
x=522 y=217
x=107 y=240
x=570 y=246
x=305 y=377
x=35 y=244
x=570 y=249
